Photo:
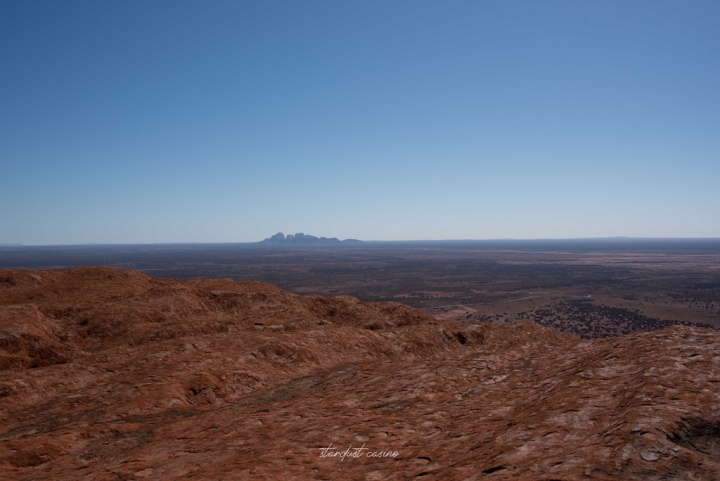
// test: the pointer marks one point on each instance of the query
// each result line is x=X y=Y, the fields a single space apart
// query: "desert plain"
x=367 y=363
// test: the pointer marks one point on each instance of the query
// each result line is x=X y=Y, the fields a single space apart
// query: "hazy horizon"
x=179 y=122
x=399 y=241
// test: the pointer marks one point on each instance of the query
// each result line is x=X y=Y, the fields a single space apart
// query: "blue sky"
x=125 y=122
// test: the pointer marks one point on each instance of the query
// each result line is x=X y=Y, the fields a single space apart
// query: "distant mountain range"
x=304 y=239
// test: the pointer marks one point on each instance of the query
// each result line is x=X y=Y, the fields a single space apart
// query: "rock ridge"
x=108 y=374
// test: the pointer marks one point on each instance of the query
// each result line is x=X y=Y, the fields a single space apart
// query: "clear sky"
x=153 y=121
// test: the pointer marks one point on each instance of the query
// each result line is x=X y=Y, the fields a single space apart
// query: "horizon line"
x=514 y=239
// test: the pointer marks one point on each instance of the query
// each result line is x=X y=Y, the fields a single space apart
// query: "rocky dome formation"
x=109 y=374
x=301 y=239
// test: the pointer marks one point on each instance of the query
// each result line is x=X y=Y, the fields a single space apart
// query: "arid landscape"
x=589 y=288
x=111 y=374
x=364 y=241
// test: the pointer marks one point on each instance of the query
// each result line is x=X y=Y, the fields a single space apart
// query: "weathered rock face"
x=108 y=374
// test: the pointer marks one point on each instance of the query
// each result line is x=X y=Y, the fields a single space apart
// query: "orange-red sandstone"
x=108 y=374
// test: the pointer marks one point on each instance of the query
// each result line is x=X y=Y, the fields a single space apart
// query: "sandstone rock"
x=115 y=375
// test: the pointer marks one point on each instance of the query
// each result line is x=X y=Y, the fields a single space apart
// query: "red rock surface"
x=108 y=374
